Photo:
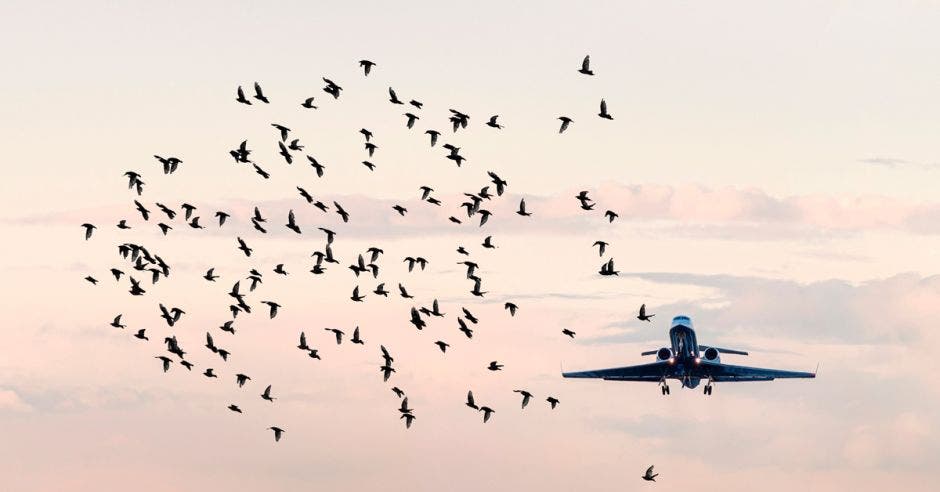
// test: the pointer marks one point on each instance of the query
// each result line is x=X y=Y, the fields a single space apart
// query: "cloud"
x=893 y=163
x=10 y=401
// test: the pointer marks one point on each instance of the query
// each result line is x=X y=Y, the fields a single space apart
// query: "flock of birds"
x=141 y=260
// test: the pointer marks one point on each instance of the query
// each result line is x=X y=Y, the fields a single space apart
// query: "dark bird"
x=409 y=418
x=273 y=305
x=404 y=293
x=604 y=114
x=209 y=275
x=565 y=121
x=342 y=213
x=316 y=166
x=188 y=365
x=463 y=251
x=267 y=394
x=244 y=247
x=434 y=135
x=525 y=396
x=487 y=412
x=386 y=355
x=476 y=288
x=222 y=216
x=411 y=120
x=453 y=219
x=164 y=228
x=462 y=326
x=308 y=103
x=495 y=366
x=370 y=147
x=499 y=182
x=284 y=131
x=552 y=401
x=488 y=243
x=380 y=290
x=471 y=318
x=259 y=94
x=166 y=362
x=143 y=211
x=355 y=295
x=398 y=392
x=303 y=342
x=241 y=379
x=386 y=372
x=277 y=433
x=338 y=333
x=416 y=319
x=512 y=308
x=279 y=269
x=285 y=153
x=117 y=274
x=585 y=200
x=601 y=247
x=291 y=223
x=261 y=172
x=642 y=316
x=608 y=268
x=228 y=326
x=235 y=408
x=484 y=216
x=470 y=403
x=241 y=96
x=188 y=210
x=415 y=103
x=169 y=164
x=141 y=335
x=370 y=166
x=611 y=215
x=209 y=374
x=442 y=345
x=568 y=332
x=195 y=223
x=331 y=88
x=313 y=354
x=392 y=97
x=123 y=224
x=366 y=66
x=404 y=406
x=89 y=228
x=366 y=133
x=586 y=66
x=91 y=279
x=355 y=338
x=493 y=124
x=522 y=211
x=649 y=476
x=117 y=322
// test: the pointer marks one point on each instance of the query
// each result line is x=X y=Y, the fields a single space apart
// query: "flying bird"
x=568 y=332
x=649 y=476
x=552 y=401
x=267 y=394
x=601 y=247
x=470 y=403
x=89 y=228
x=565 y=121
x=642 y=316
x=277 y=433
x=604 y=114
x=366 y=66
x=493 y=124
x=259 y=94
x=525 y=396
x=586 y=66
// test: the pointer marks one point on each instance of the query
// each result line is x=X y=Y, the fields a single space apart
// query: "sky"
x=774 y=168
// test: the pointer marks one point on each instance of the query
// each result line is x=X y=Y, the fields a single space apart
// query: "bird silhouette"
x=565 y=121
x=267 y=394
x=487 y=412
x=89 y=228
x=495 y=366
x=649 y=476
x=117 y=322
x=568 y=332
x=277 y=433
x=235 y=408
x=366 y=66
x=241 y=96
x=586 y=66
x=604 y=114
x=642 y=316
x=493 y=124
x=511 y=307
x=601 y=247
x=470 y=402
x=442 y=345
x=552 y=401
x=525 y=396
x=259 y=94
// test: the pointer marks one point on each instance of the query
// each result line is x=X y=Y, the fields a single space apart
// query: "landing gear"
x=664 y=387
x=708 y=388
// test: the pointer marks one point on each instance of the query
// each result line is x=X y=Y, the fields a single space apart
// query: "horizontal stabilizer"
x=723 y=350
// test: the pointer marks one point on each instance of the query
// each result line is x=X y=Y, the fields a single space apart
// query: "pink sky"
x=774 y=172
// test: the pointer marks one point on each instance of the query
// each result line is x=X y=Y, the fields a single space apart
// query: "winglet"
x=817 y=370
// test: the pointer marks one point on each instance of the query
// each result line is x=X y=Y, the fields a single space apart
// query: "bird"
x=386 y=356
x=401 y=210
x=649 y=476
x=487 y=412
x=169 y=163
x=565 y=121
x=409 y=418
x=470 y=317
x=552 y=401
x=462 y=326
x=411 y=120
x=123 y=224
x=228 y=326
x=493 y=124
x=512 y=308
x=241 y=379
x=89 y=228
x=586 y=66
x=608 y=268
x=416 y=319
x=355 y=338
x=387 y=371
x=117 y=274
x=331 y=88
x=525 y=396
x=366 y=66
x=568 y=332
x=117 y=322
x=338 y=333
x=303 y=342
x=313 y=354
x=164 y=228
x=277 y=433
x=495 y=366
x=291 y=223
x=316 y=166
x=210 y=374
x=261 y=172
x=611 y=215
x=417 y=104
x=188 y=365
x=370 y=147
x=244 y=247
x=522 y=211
x=470 y=403
x=366 y=133
x=222 y=216
x=267 y=394
x=140 y=334
x=241 y=96
x=434 y=135
x=235 y=408
x=284 y=131
x=91 y=279
x=604 y=114
x=404 y=293
x=642 y=316
x=259 y=94
x=392 y=97
x=273 y=308
x=398 y=392
x=166 y=362
x=601 y=247
x=355 y=295
x=442 y=345
x=308 y=103
x=342 y=213
x=404 y=406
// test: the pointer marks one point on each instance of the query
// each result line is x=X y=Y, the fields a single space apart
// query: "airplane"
x=688 y=362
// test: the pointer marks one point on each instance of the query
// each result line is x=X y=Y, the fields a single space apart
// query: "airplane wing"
x=726 y=372
x=653 y=372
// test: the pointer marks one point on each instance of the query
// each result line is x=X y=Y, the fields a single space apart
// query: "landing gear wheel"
x=663 y=390
x=667 y=390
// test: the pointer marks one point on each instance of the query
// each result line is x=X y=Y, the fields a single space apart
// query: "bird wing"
x=603 y=106
x=586 y=64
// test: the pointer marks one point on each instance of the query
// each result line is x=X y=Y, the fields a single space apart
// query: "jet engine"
x=711 y=355
x=664 y=354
